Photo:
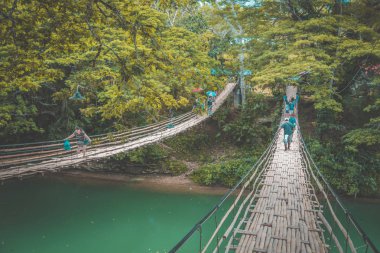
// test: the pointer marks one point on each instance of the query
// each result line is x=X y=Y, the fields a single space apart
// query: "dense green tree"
x=134 y=61
x=126 y=57
x=337 y=45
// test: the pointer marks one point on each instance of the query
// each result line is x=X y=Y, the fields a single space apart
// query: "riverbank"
x=159 y=183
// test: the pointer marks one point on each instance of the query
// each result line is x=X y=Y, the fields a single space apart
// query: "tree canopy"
x=337 y=45
x=136 y=61
x=132 y=60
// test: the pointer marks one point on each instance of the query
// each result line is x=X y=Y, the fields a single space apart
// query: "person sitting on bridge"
x=288 y=131
x=82 y=140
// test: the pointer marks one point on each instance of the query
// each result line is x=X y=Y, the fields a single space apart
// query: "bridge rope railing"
x=230 y=233
x=21 y=146
x=345 y=234
x=60 y=160
x=36 y=146
x=44 y=152
x=233 y=202
x=15 y=149
x=32 y=145
x=35 y=154
x=217 y=234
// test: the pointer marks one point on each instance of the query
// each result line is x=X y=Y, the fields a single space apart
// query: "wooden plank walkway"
x=54 y=164
x=282 y=215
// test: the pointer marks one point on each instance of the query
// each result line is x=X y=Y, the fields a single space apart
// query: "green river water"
x=53 y=215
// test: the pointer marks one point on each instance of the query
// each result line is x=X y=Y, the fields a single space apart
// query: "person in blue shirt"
x=293 y=120
x=286 y=103
x=288 y=132
x=291 y=106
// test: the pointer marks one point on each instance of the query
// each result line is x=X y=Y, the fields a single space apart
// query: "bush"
x=345 y=170
x=226 y=173
x=245 y=128
x=190 y=140
x=175 y=167
x=148 y=154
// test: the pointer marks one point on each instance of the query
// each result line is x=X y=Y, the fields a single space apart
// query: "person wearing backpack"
x=288 y=132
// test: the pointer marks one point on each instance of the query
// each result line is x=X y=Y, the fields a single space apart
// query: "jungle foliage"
x=337 y=44
x=134 y=61
x=226 y=173
x=248 y=130
x=153 y=158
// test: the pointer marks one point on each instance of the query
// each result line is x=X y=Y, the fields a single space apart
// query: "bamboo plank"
x=284 y=217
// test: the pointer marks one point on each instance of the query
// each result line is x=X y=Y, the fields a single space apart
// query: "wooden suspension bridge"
x=41 y=157
x=282 y=205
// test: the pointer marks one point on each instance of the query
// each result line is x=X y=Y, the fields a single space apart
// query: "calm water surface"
x=49 y=215
x=367 y=214
x=52 y=215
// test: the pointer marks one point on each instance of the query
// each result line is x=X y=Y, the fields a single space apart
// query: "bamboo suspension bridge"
x=282 y=205
x=17 y=161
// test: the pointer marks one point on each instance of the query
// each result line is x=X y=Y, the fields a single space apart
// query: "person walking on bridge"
x=291 y=106
x=286 y=103
x=82 y=140
x=210 y=101
x=293 y=120
x=288 y=132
